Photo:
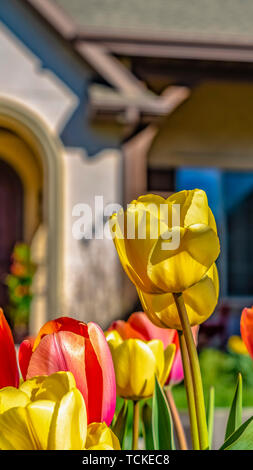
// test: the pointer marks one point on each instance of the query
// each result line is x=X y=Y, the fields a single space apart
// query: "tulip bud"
x=136 y=364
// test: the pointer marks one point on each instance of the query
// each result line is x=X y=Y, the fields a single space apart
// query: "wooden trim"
x=109 y=67
x=148 y=106
x=99 y=57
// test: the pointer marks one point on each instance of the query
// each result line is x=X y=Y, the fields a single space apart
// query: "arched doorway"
x=31 y=137
x=11 y=221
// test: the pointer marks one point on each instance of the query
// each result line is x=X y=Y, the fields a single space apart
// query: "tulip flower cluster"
x=68 y=397
x=73 y=371
x=49 y=414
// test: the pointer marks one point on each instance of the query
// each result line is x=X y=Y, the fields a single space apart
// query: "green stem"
x=195 y=372
x=189 y=392
x=210 y=415
x=136 y=419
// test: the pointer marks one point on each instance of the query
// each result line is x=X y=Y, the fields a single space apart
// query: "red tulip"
x=139 y=326
x=247 y=329
x=9 y=375
x=66 y=344
x=24 y=354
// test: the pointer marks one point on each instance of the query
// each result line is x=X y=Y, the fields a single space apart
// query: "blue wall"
x=225 y=191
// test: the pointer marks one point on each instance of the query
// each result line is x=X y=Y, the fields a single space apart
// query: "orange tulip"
x=66 y=344
x=9 y=375
x=247 y=329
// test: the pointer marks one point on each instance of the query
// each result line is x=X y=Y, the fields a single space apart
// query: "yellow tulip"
x=48 y=413
x=153 y=269
x=136 y=364
x=99 y=436
x=52 y=387
x=200 y=300
x=236 y=344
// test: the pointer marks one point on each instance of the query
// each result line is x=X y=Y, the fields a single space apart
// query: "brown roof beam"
x=183 y=46
x=147 y=107
x=110 y=68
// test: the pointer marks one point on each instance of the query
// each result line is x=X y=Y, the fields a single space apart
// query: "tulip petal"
x=61 y=324
x=176 y=374
x=99 y=435
x=32 y=386
x=176 y=270
x=142 y=368
x=39 y=417
x=100 y=447
x=195 y=208
x=146 y=219
x=126 y=330
x=104 y=358
x=62 y=351
x=11 y=397
x=200 y=300
x=140 y=278
x=21 y=439
x=156 y=347
x=9 y=375
x=247 y=329
x=24 y=355
x=26 y=428
x=169 y=355
x=121 y=366
x=113 y=338
x=69 y=423
x=140 y=323
x=52 y=387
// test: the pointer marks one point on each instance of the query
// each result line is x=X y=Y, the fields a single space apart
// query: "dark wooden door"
x=11 y=210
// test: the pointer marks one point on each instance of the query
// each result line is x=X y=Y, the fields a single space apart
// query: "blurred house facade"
x=115 y=99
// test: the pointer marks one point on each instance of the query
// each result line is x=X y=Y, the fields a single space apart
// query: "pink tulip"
x=66 y=344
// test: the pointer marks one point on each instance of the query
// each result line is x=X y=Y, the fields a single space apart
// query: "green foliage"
x=19 y=284
x=235 y=414
x=219 y=369
x=120 y=424
x=242 y=438
x=146 y=417
x=161 y=421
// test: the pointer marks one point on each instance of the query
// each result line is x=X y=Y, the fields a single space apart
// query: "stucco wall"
x=91 y=266
x=41 y=72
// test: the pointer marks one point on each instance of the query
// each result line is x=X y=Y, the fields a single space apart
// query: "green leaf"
x=119 y=427
x=146 y=417
x=242 y=438
x=235 y=414
x=162 y=427
x=210 y=415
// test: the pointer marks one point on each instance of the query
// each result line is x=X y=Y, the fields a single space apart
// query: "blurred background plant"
x=219 y=368
x=19 y=282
